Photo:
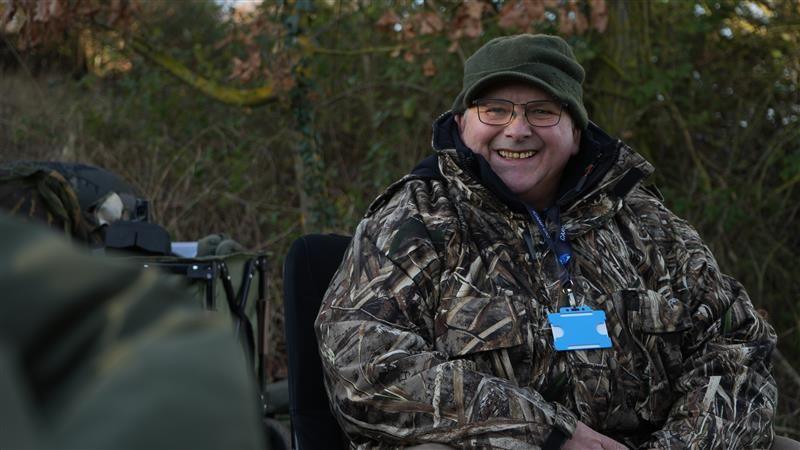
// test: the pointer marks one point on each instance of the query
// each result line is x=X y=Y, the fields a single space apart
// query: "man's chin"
x=518 y=189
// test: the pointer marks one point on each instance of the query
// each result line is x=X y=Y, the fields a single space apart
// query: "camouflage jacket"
x=434 y=329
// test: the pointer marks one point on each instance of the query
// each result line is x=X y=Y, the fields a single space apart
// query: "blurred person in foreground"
x=522 y=288
x=96 y=354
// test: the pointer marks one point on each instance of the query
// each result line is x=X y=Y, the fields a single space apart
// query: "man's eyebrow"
x=523 y=103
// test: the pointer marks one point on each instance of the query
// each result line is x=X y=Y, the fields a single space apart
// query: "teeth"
x=515 y=155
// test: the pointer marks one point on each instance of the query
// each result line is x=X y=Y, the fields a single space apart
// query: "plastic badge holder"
x=579 y=328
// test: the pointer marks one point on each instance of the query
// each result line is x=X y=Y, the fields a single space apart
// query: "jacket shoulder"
x=411 y=192
x=410 y=209
x=662 y=225
x=644 y=199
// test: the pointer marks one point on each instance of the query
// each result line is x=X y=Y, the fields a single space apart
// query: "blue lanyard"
x=560 y=246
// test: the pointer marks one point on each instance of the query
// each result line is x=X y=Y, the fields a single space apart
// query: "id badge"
x=579 y=328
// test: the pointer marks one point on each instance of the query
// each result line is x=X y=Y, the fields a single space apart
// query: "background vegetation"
x=291 y=116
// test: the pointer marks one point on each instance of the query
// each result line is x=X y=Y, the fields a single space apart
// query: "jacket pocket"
x=646 y=332
x=467 y=325
x=656 y=325
x=649 y=312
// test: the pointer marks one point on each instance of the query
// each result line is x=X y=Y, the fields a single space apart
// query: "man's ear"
x=459 y=118
x=576 y=136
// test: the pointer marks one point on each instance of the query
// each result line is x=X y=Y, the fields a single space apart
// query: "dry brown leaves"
x=466 y=23
x=599 y=16
x=41 y=22
x=388 y=20
x=429 y=23
x=418 y=24
x=281 y=68
x=467 y=20
x=521 y=14
x=245 y=70
x=48 y=9
x=429 y=68
x=408 y=29
x=257 y=62
x=525 y=15
x=571 y=20
x=573 y=17
x=277 y=66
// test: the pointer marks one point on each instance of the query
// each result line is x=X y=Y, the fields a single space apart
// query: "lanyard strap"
x=560 y=246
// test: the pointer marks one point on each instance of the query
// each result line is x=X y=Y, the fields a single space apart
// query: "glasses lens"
x=494 y=112
x=543 y=114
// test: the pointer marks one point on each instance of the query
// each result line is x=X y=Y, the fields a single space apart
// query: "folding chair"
x=309 y=266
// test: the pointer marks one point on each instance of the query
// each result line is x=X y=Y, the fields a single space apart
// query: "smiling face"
x=528 y=159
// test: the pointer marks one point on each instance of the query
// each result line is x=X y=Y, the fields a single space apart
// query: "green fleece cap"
x=546 y=62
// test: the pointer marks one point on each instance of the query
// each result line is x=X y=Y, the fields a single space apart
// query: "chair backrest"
x=309 y=266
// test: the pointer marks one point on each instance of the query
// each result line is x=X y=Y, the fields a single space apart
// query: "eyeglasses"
x=539 y=113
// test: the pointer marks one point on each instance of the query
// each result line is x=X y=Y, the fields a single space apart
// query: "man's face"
x=528 y=159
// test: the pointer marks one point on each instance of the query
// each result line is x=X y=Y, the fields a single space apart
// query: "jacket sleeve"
x=388 y=383
x=727 y=395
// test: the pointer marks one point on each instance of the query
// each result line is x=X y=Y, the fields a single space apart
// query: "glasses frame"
x=476 y=103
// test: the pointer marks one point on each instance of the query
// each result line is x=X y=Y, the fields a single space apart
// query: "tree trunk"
x=309 y=163
x=625 y=51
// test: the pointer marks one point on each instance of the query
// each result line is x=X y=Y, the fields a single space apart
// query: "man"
x=522 y=289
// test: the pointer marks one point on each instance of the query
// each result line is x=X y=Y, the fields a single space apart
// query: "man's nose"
x=518 y=128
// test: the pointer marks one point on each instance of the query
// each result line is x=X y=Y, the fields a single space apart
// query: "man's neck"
x=542 y=199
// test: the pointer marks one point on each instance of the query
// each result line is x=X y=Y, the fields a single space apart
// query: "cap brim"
x=499 y=77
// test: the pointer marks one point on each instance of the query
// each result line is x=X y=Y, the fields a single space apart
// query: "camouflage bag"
x=77 y=199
